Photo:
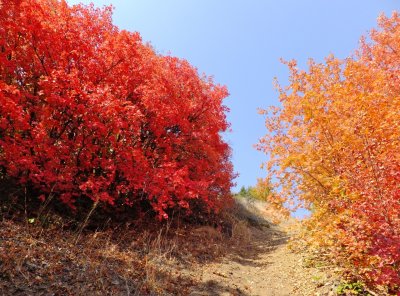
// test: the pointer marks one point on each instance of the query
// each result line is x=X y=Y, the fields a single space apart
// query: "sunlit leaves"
x=87 y=111
x=334 y=146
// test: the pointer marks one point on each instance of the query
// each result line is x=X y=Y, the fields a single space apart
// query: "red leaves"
x=88 y=111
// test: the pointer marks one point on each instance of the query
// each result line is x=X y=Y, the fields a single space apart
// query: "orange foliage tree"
x=90 y=113
x=333 y=147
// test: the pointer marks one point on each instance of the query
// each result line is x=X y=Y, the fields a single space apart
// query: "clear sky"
x=240 y=44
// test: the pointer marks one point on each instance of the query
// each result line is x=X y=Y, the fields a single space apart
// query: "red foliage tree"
x=87 y=111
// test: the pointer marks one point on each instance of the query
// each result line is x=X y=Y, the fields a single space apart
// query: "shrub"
x=334 y=147
x=88 y=112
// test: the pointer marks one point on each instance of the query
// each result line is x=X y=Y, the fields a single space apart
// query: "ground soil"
x=265 y=266
x=250 y=258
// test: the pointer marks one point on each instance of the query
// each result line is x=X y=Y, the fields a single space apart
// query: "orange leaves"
x=334 y=145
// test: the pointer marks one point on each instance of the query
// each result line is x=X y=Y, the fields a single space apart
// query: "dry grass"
x=34 y=261
x=44 y=256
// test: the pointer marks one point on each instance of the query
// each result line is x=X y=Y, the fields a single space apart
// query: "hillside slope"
x=249 y=256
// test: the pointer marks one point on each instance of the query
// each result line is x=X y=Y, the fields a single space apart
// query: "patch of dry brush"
x=122 y=259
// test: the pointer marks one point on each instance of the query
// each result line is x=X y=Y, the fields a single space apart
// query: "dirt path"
x=246 y=261
x=266 y=266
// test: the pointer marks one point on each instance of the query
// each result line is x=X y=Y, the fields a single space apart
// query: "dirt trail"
x=248 y=261
x=266 y=266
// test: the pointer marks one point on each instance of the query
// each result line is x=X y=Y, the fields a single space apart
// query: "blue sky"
x=240 y=44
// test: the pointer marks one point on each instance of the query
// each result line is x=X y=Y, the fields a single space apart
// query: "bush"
x=88 y=112
x=334 y=146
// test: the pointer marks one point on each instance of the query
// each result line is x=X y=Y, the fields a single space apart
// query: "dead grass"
x=46 y=254
x=34 y=261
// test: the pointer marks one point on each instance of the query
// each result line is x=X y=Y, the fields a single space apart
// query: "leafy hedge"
x=87 y=111
x=334 y=146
